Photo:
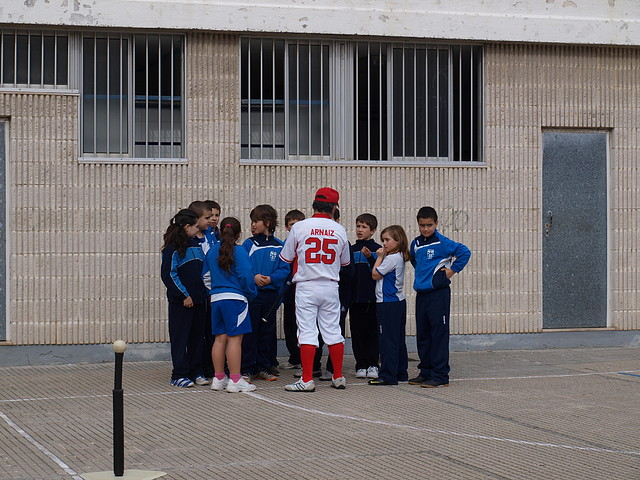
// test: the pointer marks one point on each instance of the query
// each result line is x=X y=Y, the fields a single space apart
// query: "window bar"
x=2 y=56
x=121 y=123
x=471 y=109
x=261 y=98
x=368 y=100
x=15 y=58
x=404 y=90
x=2 y=62
x=108 y=91
x=171 y=100
x=298 y=99
x=415 y=102
x=309 y=99
x=55 y=59
x=248 y=94
x=389 y=123
x=357 y=136
x=321 y=100
x=42 y=60
x=28 y=59
x=459 y=105
x=285 y=56
x=380 y=102
x=426 y=102
x=437 y=103
x=273 y=99
x=95 y=96
x=159 y=151
x=146 y=91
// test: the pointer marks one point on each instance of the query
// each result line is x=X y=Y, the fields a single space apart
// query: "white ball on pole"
x=119 y=346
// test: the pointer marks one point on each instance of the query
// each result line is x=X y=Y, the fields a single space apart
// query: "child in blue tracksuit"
x=181 y=269
x=259 y=348
x=232 y=286
x=212 y=233
x=388 y=272
x=362 y=311
x=432 y=255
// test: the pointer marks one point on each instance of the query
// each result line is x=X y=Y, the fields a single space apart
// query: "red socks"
x=336 y=352
x=307 y=354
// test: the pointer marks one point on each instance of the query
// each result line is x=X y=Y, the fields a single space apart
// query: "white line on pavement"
x=433 y=430
x=40 y=447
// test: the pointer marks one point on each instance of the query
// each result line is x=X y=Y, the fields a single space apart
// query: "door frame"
x=609 y=145
x=7 y=230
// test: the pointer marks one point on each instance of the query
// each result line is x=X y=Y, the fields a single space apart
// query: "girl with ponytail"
x=232 y=285
x=181 y=273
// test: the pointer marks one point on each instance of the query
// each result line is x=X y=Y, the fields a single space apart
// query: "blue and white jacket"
x=230 y=285
x=363 y=286
x=264 y=255
x=182 y=275
x=390 y=288
x=430 y=254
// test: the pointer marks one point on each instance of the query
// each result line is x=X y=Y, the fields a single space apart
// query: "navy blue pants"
x=364 y=334
x=259 y=346
x=186 y=334
x=432 y=333
x=392 y=323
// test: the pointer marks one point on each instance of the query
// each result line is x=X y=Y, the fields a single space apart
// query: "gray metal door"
x=3 y=233
x=574 y=244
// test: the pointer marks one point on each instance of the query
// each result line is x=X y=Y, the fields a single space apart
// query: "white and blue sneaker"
x=301 y=386
x=182 y=382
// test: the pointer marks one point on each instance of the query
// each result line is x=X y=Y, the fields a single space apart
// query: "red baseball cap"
x=328 y=195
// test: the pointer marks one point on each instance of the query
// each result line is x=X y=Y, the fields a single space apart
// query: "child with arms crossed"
x=259 y=348
x=388 y=271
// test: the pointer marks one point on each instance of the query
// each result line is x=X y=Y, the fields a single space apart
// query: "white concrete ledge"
x=606 y=22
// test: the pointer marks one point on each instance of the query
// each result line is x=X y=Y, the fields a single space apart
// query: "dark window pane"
x=62 y=61
x=35 y=60
x=22 y=76
x=49 y=72
x=8 y=58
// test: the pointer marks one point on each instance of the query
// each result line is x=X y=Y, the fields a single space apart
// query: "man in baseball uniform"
x=317 y=247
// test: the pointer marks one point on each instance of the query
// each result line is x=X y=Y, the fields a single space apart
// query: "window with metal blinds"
x=371 y=101
x=132 y=96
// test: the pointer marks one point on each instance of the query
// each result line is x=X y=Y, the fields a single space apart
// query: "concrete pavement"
x=517 y=414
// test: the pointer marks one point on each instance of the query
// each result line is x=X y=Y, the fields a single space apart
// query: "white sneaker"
x=290 y=366
x=372 y=372
x=240 y=386
x=202 y=380
x=361 y=373
x=326 y=376
x=301 y=386
x=219 y=384
x=340 y=383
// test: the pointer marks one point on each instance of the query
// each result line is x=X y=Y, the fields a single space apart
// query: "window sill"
x=364 y=163
x=133 y=161
x=40 y=91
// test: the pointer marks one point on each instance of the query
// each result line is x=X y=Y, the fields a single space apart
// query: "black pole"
x=118 y=418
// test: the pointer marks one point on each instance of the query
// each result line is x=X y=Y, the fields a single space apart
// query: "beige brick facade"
x=84 y=238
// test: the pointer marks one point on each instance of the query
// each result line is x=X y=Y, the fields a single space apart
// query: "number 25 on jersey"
x=321 y=250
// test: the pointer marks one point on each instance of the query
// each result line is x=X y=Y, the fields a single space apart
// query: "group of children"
x=223 y=298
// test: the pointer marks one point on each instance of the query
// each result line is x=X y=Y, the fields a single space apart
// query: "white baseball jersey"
x=318 y=247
